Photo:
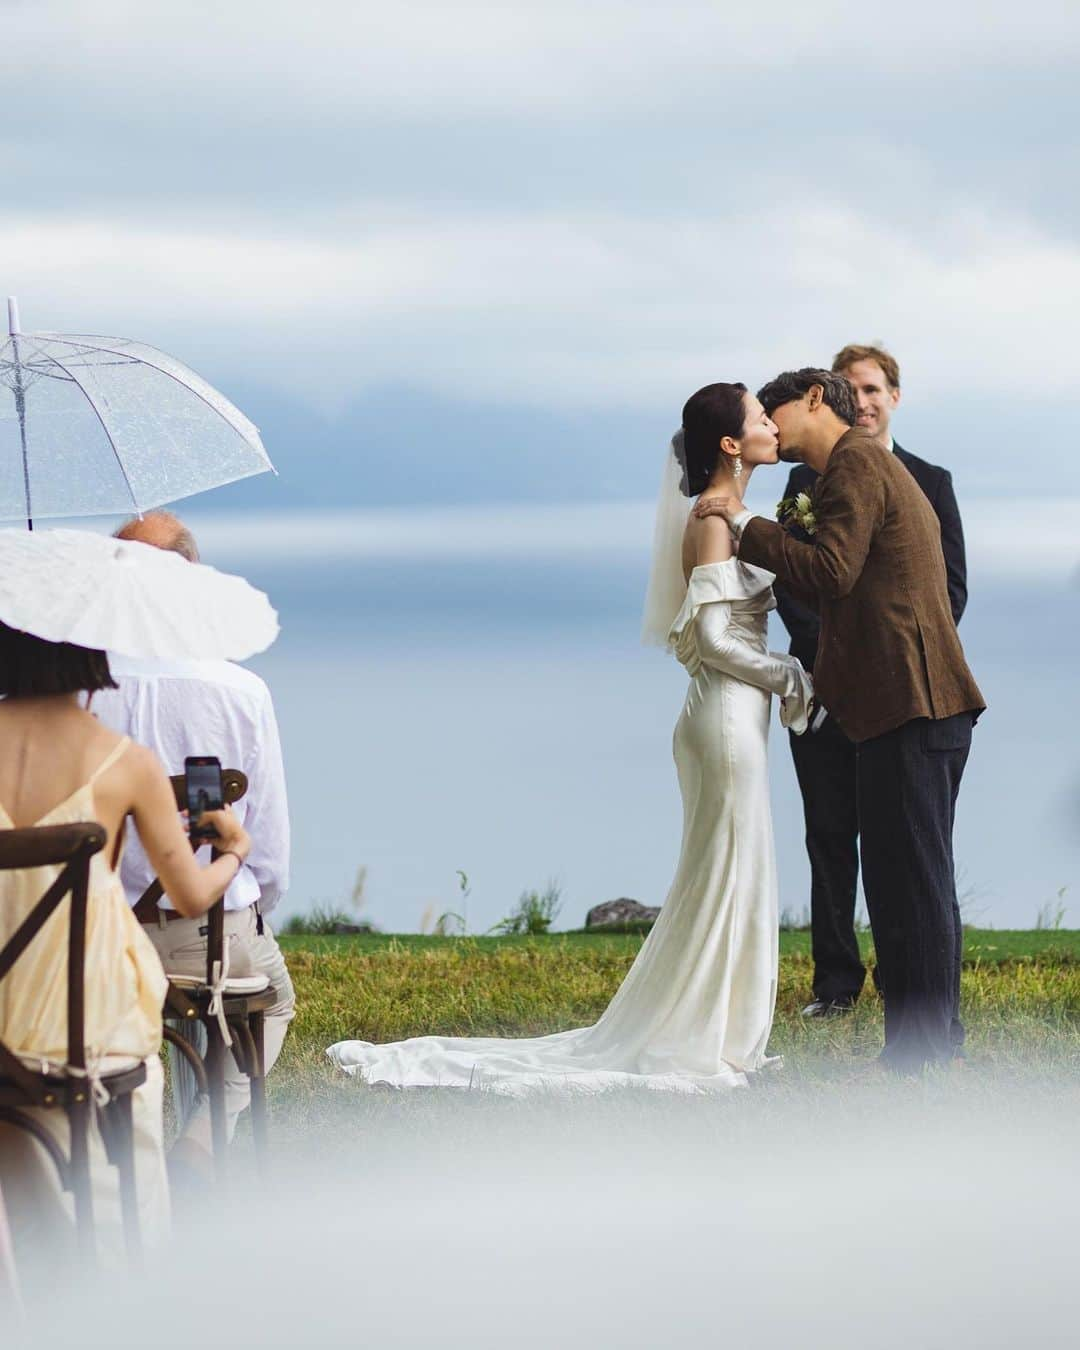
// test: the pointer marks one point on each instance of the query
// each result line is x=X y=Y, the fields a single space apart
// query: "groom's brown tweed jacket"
x=889 y=650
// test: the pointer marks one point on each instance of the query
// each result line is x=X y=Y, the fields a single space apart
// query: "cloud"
x=552 y=57
x=544 y=206
x=1038 y=542
x=572 y=309
x=288 y=113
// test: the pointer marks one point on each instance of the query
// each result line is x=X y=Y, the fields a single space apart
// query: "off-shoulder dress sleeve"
x=706 y=621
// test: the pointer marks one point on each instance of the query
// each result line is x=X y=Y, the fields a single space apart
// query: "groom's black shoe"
x=819 y=1008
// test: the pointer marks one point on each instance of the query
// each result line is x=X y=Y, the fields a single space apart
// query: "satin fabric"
x=695 y=1010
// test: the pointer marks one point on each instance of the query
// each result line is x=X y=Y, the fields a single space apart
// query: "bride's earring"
x=738 y=467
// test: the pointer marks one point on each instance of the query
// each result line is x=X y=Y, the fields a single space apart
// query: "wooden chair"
x=11 y=1309
x=235 y=1018
x=70 y=1087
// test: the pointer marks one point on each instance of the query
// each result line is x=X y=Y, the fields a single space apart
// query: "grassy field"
x=1021 y=995
x=980 y=944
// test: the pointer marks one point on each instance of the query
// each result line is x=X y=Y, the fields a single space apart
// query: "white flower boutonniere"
x=797 y=510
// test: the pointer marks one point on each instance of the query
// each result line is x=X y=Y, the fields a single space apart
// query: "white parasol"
x=134 y=599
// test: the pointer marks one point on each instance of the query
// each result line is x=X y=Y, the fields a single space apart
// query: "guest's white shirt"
x=208 y=708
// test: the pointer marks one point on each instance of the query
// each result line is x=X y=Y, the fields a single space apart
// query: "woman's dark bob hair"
x=30 y=666
x=712 y=413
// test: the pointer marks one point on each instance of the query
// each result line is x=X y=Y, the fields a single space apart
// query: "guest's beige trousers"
x=182 y=948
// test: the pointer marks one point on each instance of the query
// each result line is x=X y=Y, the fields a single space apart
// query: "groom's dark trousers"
x=825 y=761
x=891 y=671
x=907 y=783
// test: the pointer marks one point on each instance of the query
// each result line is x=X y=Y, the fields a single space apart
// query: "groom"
x=891 y=670
x=825 y=761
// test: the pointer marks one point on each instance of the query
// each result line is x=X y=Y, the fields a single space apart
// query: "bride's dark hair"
x=711 y=414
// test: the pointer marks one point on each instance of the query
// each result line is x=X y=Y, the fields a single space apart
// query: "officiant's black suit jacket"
x=936 y=483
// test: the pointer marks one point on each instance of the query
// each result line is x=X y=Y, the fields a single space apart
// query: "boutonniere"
x=797 y=510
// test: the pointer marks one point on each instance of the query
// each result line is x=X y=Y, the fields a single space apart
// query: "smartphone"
x=205 y=792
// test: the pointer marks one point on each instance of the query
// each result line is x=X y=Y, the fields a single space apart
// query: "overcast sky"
x=490 y=250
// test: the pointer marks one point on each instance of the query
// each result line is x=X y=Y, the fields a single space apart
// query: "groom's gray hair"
x=792 y=385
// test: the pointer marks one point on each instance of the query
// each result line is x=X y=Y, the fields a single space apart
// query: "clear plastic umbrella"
x=105 y=426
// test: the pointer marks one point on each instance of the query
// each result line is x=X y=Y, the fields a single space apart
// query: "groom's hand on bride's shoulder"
x=727 y=506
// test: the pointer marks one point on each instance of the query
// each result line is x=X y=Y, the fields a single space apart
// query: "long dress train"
x=695 y=1009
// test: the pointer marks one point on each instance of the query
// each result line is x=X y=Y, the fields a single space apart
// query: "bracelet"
x=232 y=853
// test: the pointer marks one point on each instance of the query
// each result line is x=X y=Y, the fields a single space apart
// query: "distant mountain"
x=394 y=446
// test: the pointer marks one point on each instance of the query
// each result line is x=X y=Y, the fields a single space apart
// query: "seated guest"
x=59 y=765
x=210 y=708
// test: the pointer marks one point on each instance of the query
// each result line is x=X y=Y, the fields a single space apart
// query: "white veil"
x=667 y=585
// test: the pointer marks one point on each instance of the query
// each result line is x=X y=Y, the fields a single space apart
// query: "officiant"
x=825 y=760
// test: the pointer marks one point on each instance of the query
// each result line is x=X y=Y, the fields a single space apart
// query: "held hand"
x=796 y=708
x=231 y=835
x=727 y=505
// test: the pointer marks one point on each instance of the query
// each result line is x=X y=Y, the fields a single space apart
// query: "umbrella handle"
x=13 y=316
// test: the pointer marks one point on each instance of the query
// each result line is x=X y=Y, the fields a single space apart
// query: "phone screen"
x=202 y=774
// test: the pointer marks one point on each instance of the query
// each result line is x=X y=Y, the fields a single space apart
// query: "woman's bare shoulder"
x=136 y=765
x=711 y=540
x=142 y=763
x=136 y=782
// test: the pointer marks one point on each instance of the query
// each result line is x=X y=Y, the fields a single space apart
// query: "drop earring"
x=738 y=467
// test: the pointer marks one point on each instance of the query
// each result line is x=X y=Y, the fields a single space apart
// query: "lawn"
x=1021 y=996
x=980 y=944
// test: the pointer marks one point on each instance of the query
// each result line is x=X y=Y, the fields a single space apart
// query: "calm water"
x=498 y=715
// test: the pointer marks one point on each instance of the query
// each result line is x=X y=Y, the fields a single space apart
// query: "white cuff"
x=795 y=707
x=738 y=524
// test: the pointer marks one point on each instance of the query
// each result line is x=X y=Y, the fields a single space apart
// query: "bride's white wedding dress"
x=695 y=1010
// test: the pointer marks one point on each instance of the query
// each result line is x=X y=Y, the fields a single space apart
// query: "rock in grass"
x=616 y=913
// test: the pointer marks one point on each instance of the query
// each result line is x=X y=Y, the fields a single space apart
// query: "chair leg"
x=256 y=1024
x=12 y=1312
x=191 y=1057
x=118 y=1131
x=120 y=1108
x=215 y=1075
x=78 y=1114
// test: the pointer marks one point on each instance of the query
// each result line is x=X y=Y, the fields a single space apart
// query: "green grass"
x=1021 y=1005
x=981 y=945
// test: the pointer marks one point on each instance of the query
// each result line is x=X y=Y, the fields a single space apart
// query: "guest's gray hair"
x=163 y=530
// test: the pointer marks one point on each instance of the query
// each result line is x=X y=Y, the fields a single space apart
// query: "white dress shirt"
x=208 y=708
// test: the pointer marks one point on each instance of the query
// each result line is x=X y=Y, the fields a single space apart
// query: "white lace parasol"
x=113 y=595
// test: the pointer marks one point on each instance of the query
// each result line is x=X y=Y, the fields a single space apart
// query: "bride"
x=695 y=1010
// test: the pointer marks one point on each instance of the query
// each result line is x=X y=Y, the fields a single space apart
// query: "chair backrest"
x=234 y=784
x=70 y=847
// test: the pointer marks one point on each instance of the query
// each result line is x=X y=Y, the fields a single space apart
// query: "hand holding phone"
x=205 y=792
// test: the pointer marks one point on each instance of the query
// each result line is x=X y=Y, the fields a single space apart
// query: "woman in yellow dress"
x=59 y=765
